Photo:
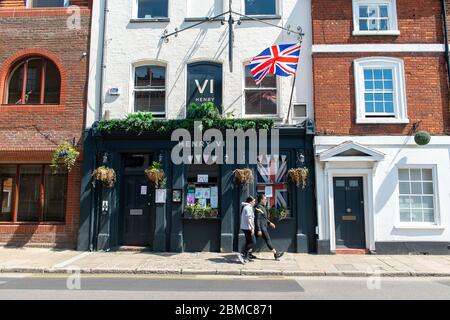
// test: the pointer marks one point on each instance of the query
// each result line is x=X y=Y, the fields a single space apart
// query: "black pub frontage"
x=136 y=213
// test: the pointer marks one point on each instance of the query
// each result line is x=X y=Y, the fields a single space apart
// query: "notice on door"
x=144 y=190
x=136 y=212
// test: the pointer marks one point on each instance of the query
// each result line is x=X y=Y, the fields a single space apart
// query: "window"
x=417 y=195
x=150 y=90
x=151 y=9
x=260 y=99
x=300 y=110
x=260 y=7
x=204 y=83
x=272 y=180
x=34 y=81
x=380 y=91
x=375 y=17
x=47 y=3
x=41 y=195
x=204 y=8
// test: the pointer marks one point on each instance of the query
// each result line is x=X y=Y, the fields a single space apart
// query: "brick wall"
x=419 y=21
x=334 y=95
x=31 y=133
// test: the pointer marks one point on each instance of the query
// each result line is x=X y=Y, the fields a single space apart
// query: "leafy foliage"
x=64 y=154
x=208 y=114
x=278 y=213
x=196 y=211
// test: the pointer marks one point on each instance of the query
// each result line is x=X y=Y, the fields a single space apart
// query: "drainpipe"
x=447 y=58
x=102 y=61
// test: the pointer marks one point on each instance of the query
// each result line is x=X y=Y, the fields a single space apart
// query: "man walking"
x=248 y=227
x=262 y=222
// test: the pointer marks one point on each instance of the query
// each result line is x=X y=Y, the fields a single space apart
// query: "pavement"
x=37 y=260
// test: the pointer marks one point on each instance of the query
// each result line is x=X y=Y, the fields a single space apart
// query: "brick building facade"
x=43 y=76
x=380 y=76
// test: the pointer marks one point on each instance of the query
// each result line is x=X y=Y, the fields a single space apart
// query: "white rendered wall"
x=399 y=151
x=130 y=42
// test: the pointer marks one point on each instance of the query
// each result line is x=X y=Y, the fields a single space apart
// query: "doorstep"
x=352 y=251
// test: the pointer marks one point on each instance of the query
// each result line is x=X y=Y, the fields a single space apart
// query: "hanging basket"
x=106 y=175
x=155 y=174
x=64 y=155
x=299 y=176
x=422 y=138
x=243 y=176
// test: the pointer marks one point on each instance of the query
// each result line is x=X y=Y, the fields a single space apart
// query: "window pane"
x=29 y=193
x=363 y=11
x=142 y=76
x=363 y=25
x=152 y=8
x=416 y=188
x=428 y=202
x=47 y=3
x=150 y=101
x=416 y=202
x=405 y=188
x=427 y=174
x=387 y=74
x=384 y=24
x=34 y=77
x=416 y=174
x=7 y=188
x=405 y=216
x=158 y=76
x=403 y=174
x=368 y=74
x=370 y=107
x=428 y=215
x=257 y=7
x=383 y=11
x=270 y=81
x=428 y=188
x=405 y=202
x=52 y=83
x=417 y=216
x=55 y=186
x=15 y=86
x=261 y=102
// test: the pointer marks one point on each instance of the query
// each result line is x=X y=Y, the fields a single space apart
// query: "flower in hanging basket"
x=243 y=176
x=299 y=176
x=155 y=174
x=105 y=175
x=422 y=138
x=66 y=155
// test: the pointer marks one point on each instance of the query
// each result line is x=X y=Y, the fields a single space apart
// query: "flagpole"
x=292 y=96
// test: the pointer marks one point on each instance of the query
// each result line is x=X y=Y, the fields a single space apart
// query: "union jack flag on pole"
x=281 y=60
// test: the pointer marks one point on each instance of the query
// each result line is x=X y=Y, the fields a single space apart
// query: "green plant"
x=278 y=213
x=203 y=111
x=299 y=176
x=196 y=211
x=64 y=154
x=155 y=174
x=105 y=175
x=422 y=138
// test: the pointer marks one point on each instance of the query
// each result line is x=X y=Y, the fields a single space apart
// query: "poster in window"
x=214 y=197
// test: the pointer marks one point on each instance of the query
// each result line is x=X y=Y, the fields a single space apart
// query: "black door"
x=137 y=222
x=349 y=212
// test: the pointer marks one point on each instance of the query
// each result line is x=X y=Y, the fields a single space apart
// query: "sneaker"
x=278 y=255
x=251 y=256
x=241 y=258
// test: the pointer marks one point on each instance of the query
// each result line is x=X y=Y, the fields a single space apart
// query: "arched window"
x=35 y=80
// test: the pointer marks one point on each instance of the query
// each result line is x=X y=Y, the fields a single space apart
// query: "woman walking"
x=248 y=227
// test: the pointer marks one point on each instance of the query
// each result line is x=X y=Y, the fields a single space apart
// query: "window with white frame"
x=380 y=90
x=417 y=195
x=150 y=90
x=151 y=9
x=47 y=3
x=260 y=99
x=375 y=17
x=260 y=7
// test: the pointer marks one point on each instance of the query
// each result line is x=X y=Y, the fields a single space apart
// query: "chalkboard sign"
x=204 y=83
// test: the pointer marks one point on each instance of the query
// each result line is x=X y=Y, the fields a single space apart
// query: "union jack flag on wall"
x=272 y=173
x=281 y=60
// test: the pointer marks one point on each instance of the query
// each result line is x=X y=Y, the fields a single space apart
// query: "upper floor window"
x=260 y=7
x=35 y=80
x=47 y=3
x=380 y=91
x=260 y=99
x=151 y=9
x=371 y=17
x=150 y=90
x=417 y=195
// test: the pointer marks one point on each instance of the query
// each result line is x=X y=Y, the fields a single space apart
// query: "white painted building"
x=133 y=39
